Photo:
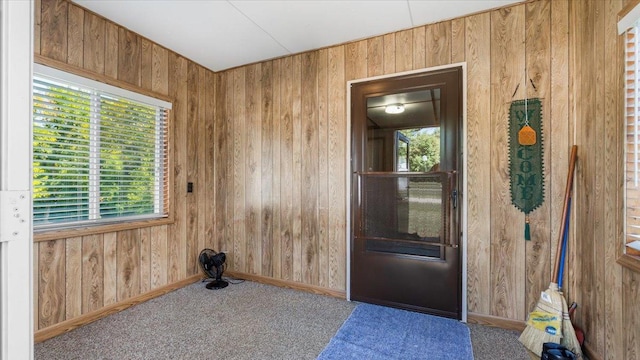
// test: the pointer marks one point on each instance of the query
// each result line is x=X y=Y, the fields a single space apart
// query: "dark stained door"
x=405 y=215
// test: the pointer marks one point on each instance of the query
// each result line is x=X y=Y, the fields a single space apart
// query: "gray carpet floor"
x=243 y=321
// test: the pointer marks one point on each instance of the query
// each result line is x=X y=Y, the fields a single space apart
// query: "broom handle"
x=567 y=195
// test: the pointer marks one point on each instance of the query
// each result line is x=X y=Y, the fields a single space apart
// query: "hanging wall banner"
x=526 y=170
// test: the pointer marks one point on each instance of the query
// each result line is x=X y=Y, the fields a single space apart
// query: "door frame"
x=462 y=180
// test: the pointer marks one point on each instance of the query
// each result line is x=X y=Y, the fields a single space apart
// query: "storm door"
x=405 y=216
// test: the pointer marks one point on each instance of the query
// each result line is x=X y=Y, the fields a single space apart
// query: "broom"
x=545 y=321
x=569 y=337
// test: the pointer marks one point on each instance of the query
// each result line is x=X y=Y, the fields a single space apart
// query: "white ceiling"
x=220 y=34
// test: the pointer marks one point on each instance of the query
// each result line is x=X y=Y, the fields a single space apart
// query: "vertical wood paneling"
x=53 y=29
x=296 y=121
x=129 y=56
x=375 y=56
x=389 y=51
x=94 y=43
x=323 y=168
x=145 y=260
x=177 y=237
x=228 y=161
x=439 y=39
x=538 y=61
x=478 y=56
x=337 y=153
x=239 y=156
x=159 y=256
x=276 y=253
x=111 y=50
x=36 y=285
x=266 y=176
x=613 y=318
x=419 y=47
x=252 y=161
x=220 y=183
x=73 y=278
x=127 y=264
x=191 y=167
x=458 y=40
x=160 y=70
x=286 y=169
x=631 y=313
x=92 y=273
x=507 y=241
x=75 y=34
x=51 y=287
x=37 y=31
x=207 y=143
x=146 y=64
x=404 y=50
x=110 y=282
x=309 y=179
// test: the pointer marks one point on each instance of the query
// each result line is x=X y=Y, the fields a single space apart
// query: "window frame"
x=629 y=18
x=116 y=87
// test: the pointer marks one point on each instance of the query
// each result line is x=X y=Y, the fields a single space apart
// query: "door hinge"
x=15 y=213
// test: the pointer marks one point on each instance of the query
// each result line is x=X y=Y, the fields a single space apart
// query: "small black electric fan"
x=212 y=265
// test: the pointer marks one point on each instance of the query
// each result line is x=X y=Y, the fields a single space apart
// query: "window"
x=99 y=152
x=629 y=28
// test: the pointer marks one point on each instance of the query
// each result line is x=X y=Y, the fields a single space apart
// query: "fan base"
x=217 y=284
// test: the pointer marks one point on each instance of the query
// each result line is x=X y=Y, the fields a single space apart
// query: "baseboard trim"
x=287 y=284
x=496 y=321
x=68 y=325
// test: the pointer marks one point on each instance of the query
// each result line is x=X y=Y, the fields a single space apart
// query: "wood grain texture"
x=389 y=51
x=94 y=43
x=277 y=175
x=296 y=155
x=51 y=287
x=337 y=138
x=191 y=166
x=207 y=162
x=177 y=236
x=404 y=50
x=129 y=56
x=537 y=83
x=75 y=36
x=220 y=183
x=419 y=47
x=458 y=35
x=146 y=64
x=323 y=169
x=111 y=50
x=266 y=169
x=478 y=57
x=159 y=69
x=92 y=273
x=73 y=277
x=375 y=56
x=37 y=28
x=36 y=286
x=439 y=40
x=253 y=165
x=309 y=175
x=159 y=256
x=286 y=170
x=110 y=282
x=53 y=29
x=145 y=259
x=239 y=242
x=507 y=243
x=127 y=264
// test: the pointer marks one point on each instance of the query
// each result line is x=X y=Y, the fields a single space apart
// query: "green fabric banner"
x=526 y=170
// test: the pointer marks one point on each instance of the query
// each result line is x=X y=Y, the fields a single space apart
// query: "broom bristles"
x=533 y=339
x=550 y=302
x=569 y=338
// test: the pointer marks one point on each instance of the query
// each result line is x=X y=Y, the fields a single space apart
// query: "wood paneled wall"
x=266 y=146
x=80 y=275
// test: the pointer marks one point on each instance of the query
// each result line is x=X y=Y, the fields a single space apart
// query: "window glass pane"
x=97 y=157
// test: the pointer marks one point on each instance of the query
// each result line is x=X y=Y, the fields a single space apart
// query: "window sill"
x=630 y=262
x=99 y=229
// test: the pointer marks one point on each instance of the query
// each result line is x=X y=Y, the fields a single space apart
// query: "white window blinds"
x=632 y=130
x=98 y=155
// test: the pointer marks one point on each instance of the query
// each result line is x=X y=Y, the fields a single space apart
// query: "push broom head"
x=545 y=322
